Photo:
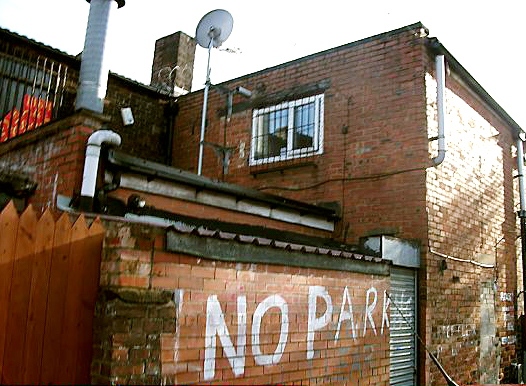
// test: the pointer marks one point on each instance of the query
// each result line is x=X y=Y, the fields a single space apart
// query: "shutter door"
x=402 y=339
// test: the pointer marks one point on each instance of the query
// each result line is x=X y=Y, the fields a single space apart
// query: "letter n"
x=216 y=325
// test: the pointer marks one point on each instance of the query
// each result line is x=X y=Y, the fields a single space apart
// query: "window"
x=288 y=130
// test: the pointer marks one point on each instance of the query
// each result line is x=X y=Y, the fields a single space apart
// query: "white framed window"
x=288 y=130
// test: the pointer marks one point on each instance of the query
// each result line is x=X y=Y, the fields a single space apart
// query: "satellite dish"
x=214 y=28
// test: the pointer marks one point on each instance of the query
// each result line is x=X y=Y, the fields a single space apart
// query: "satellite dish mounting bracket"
x=213 y=29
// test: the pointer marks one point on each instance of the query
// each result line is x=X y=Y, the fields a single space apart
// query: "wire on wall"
x=347 y=179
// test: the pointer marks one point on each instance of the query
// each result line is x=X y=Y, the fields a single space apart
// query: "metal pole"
x=203 y=116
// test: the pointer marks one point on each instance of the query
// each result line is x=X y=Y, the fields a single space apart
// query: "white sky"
x=485 y=36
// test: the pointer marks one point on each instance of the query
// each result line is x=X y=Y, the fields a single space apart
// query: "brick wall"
x=127 y=335
x=147 y=136
x=470 y=205
x=373 y=139
x=379 y=118
x=374 y=163
x=152 y=111
x=227 y=322
x=175 y=52
x=53 y=156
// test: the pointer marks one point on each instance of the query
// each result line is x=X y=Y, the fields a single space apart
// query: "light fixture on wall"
x=243 y=91
x=238 y=90
x=127 y=116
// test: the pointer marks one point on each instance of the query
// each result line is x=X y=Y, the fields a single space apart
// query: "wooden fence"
x=49 y=276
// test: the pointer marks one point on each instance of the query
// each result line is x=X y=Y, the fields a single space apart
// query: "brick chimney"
x=173 y=63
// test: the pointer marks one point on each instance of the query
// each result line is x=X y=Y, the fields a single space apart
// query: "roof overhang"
x=465 y=77
x=149 y=177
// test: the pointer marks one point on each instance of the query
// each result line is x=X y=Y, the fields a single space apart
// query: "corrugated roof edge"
x=261 y=250
x=217 y=244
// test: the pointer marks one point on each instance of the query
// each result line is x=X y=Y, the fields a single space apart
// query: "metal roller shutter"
x=402 y=339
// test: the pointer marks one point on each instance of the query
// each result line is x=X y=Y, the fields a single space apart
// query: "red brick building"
x=369 y=145
x=262 y=270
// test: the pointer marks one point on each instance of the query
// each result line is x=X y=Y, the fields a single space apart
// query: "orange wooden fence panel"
x=56 y=300
x=49 y=275
x=8 y=230
x=38 y=299
x=18 y=302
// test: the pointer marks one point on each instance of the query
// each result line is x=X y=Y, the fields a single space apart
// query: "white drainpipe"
x=91 y=164
x=441 y=108
x=520 y=170
x=522 y=216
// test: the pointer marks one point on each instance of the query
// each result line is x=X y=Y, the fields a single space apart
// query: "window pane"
x=288 y=130
x=271 y=134
x=260 y=134
x=278 y=132
x=304 y=126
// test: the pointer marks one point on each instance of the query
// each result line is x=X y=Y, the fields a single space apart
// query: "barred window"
x=288 y=130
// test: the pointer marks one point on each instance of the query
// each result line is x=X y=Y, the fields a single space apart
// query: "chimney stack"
x=173 y=63
x=93 y=69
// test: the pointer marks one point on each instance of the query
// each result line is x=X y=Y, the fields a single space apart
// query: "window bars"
x=291 y=129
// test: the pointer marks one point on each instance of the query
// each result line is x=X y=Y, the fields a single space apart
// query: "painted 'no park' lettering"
x=217 y=326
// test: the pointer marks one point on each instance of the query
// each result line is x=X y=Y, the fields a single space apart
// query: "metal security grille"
x=31 y=94
x=402 y=339
x=292 y=129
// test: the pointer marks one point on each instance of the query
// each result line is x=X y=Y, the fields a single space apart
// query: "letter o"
x=262 y=308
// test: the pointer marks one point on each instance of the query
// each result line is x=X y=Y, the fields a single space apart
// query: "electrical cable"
x=461 y=260
x=364 y=178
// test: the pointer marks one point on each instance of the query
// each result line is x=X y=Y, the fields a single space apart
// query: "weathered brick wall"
x=375 y=140
x=176 y=53
x=127 y=335
x=148 y=135
x=272 y=310
x=381 y=174
x=376 y=132
x=53 y=156
x=470 y=205
x=235 y=323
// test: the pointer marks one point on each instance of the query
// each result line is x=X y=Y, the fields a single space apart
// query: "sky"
x=485 y=36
